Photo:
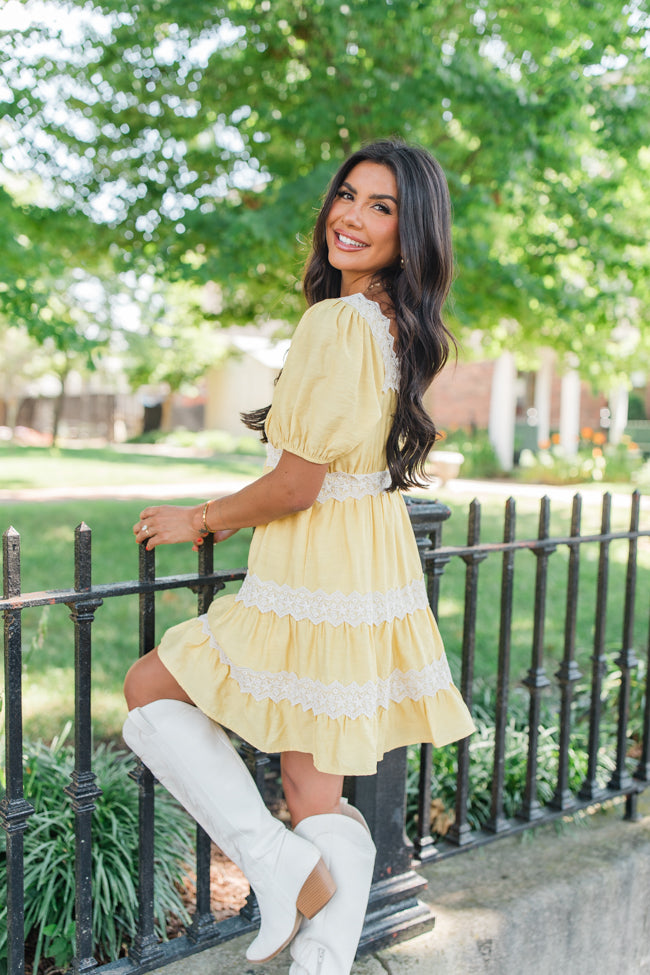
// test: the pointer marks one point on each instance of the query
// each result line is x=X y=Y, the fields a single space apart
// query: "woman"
x=329 y=654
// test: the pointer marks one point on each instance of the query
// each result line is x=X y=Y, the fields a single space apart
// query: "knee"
x=130 y=688
x=136 y=684
x=149 y=680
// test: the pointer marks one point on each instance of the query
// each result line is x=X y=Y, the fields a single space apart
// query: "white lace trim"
x=334 y=608
x=380 y=328
x=339 y=485
x=337 y=700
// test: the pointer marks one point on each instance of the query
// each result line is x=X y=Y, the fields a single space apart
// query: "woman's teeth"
x=348 y=241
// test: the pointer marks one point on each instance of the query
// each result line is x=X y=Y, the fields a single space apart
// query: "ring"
x=145 y=529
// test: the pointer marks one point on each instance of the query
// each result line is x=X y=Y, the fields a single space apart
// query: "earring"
x=401 y=262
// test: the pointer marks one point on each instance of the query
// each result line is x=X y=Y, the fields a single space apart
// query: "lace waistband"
x=339 y=485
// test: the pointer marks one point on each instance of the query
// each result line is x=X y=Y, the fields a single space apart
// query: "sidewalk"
x=458 y=489
x=548 y=903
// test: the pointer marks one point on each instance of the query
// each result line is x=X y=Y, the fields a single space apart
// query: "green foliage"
x=214 y=441
x=479 y=457
x=49 y=845
x=193 y=140
x=595 y=461
x=620 y=463
x=481 y=747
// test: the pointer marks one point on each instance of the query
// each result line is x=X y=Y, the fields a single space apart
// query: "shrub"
x=49 y=845
x=595 y=460
x=481 y=750
x=479 y=457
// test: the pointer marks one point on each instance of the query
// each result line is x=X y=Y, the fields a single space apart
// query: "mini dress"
x=330 y=646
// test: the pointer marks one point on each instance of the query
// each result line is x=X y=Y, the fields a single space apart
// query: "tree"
x=193 y=140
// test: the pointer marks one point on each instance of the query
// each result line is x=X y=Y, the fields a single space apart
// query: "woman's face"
x=362 y=225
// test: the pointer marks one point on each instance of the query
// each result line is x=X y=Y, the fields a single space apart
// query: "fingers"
x=145 y=529
x=143 y=533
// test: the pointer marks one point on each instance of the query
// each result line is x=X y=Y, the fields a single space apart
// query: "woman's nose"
x=352 y=215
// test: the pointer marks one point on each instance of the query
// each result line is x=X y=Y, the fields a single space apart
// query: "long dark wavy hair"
x=417 y=285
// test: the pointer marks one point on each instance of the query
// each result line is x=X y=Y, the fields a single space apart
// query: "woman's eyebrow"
x=373 y=196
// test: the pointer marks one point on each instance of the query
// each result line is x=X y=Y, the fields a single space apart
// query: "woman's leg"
x=327 y=944
x=194 y=759
x=149 y=680
x=308 y=792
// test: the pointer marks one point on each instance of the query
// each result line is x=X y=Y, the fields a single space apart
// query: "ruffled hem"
x=348 y=729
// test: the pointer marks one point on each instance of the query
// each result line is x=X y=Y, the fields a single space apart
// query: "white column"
x=570 y=413
x=618 y=402
x=543 y=381
x=501 y=428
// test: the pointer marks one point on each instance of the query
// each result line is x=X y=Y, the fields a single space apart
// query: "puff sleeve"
x=327 y=399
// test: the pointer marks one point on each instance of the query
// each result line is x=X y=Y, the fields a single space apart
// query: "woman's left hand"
x=168 y=524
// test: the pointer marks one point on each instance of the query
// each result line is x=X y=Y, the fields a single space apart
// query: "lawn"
x=47 y=530
x=39 y=467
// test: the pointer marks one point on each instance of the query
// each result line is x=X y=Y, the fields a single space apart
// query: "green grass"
x=47 y=559
x=47 y=535
x=44 y=467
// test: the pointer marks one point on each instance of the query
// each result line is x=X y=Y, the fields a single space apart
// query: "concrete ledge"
x=573 y=898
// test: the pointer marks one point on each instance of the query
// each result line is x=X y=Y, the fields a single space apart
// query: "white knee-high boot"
x=327 y=944
x=195 y=760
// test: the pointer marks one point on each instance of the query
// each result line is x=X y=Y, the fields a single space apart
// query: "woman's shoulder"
x=345 y=316
x=347 y=309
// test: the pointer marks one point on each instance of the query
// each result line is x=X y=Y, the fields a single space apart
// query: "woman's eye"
x=344 y=194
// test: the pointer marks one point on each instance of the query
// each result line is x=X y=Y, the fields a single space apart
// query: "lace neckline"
x=380 y=328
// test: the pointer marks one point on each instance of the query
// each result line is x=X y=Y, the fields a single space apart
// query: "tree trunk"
x=58 y=406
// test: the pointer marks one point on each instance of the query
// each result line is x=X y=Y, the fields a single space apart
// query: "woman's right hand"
x=218 y=536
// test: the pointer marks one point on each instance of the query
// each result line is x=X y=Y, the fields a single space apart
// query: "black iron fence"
x=394 y=910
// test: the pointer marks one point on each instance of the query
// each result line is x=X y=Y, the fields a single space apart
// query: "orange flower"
x=544 y=444
x=600 y=437
x=596 y=452
x=632 y=445
x=555 y=438
x=586 y=433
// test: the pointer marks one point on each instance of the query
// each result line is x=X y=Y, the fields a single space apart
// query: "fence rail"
x=394 y=910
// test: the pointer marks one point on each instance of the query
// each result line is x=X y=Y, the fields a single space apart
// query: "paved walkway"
x=562 y=900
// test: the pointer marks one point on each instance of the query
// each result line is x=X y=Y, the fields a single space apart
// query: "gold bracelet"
x=206 y=530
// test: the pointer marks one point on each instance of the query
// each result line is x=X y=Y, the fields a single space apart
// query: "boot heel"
x=316 y=891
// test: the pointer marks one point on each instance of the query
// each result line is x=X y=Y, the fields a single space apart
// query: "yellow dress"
x=330 y=646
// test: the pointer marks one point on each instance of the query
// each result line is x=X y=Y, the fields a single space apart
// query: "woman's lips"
x=347 y=243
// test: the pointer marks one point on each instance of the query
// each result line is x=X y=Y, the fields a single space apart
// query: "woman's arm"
x=290 y=487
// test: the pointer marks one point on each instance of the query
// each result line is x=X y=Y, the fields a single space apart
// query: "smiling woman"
x=363 y=227
x=329 y=653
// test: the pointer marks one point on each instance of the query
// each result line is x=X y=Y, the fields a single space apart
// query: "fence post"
x=590 y=788
x=204 y=930
x=82 y=790
x=14 y=808
x=460 y=831
x=394 y=911
x=536 y=680
x=627 y=661
x=146 y=949
x=498 y=822
x=427 y=518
